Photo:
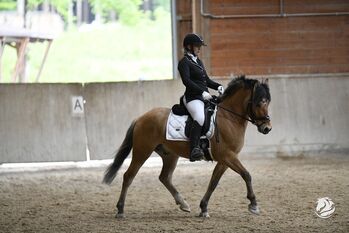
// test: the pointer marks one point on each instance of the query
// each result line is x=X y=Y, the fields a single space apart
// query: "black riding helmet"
x=193 y=39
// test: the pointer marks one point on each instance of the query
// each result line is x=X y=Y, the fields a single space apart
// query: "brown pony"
x=243 y=100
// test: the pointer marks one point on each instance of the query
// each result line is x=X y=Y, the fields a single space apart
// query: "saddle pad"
x=175 y=129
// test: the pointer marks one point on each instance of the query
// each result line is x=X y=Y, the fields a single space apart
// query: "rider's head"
x=192 y=43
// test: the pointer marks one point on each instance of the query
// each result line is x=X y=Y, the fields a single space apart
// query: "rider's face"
x=196 y=50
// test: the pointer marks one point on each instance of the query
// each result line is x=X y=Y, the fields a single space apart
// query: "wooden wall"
x=272 y=45
x=184 y=23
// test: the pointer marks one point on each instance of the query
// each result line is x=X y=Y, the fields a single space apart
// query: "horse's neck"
x=237 y=103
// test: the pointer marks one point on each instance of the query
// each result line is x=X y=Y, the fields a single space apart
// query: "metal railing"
x=282 y=13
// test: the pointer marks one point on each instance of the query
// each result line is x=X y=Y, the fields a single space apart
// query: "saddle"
x=179 y=124
x=181 y=110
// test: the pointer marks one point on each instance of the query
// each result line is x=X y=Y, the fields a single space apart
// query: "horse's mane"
x=262 y=90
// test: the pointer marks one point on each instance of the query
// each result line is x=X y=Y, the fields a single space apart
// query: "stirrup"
x=196 y=154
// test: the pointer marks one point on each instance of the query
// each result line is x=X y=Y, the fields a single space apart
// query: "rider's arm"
x=210 y=83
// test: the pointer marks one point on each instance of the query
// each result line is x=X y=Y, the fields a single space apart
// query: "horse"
x=244 y=100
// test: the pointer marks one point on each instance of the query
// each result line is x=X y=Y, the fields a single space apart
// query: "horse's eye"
x=263 y=102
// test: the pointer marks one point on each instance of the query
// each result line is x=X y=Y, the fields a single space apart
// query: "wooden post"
x=44 y=59
x=20 y=58
x=21 y=11
x=201 y=27
x=2 y=47
x=196 y=17
x=79 y=19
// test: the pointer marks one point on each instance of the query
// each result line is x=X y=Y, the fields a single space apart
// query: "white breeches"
x=196 y=108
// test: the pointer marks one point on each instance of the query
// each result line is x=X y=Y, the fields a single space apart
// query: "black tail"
x=120 y=157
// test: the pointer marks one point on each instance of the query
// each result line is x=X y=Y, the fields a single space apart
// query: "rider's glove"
x=220 y=90
x=206 y=95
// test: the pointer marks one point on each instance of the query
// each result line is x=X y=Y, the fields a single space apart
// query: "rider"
x=196 y=81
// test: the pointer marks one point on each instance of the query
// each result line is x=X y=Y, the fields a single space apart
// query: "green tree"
x=62 y=6
x=127 y=11
x=165 y=4
x=6 y=5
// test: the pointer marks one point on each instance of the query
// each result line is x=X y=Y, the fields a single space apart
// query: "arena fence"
x=77 y=122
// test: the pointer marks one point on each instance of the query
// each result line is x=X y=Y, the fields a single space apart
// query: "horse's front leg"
x=236 y=165
x=216 y=176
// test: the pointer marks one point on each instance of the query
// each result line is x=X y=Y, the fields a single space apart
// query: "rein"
x=253 y=119
x=234 y=113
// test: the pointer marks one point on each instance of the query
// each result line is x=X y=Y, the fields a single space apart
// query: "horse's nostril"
x=266 y=130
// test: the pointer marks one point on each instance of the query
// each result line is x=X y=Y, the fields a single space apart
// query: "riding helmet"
x=193 y=39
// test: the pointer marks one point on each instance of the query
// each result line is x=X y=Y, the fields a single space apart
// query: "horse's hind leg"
x=169 y=165
x=140 y=155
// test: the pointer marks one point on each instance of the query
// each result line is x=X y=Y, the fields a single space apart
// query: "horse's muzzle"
x=264 y=128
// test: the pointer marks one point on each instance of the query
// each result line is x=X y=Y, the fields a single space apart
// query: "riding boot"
x=196 y=151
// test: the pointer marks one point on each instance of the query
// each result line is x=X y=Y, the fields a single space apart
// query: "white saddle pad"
x=176 y=127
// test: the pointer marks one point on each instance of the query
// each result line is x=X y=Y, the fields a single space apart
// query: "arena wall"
x=111 y=108
x=37 y=124
x=309 y=114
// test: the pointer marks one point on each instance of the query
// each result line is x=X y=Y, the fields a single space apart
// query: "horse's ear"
x=266 y=81
x=241 y=76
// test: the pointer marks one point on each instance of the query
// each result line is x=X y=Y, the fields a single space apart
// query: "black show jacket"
x=195 y=78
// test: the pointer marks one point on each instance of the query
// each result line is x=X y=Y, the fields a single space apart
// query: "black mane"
x=261 y=92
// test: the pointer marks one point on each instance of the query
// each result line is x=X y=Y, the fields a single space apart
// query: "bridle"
x=251 y=115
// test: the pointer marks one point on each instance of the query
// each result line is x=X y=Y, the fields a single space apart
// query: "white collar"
x=194 y=58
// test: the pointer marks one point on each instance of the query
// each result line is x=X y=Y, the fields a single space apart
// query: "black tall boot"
x=196 y=152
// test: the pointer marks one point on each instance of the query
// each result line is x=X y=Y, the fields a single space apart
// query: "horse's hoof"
x=120 y=215
x=204 y=215
x=185 y=207
x=254 y=209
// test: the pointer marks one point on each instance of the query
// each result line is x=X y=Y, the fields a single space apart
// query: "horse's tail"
x=120 y=156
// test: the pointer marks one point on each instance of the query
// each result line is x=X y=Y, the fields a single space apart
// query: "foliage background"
x=137 y=46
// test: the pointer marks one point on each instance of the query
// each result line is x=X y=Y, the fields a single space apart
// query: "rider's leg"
x=196 y=108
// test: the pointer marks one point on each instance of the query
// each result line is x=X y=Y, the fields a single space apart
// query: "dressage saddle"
x=181 y=110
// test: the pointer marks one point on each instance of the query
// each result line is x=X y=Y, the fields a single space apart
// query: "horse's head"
x=254 y=98
x=258 y=106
